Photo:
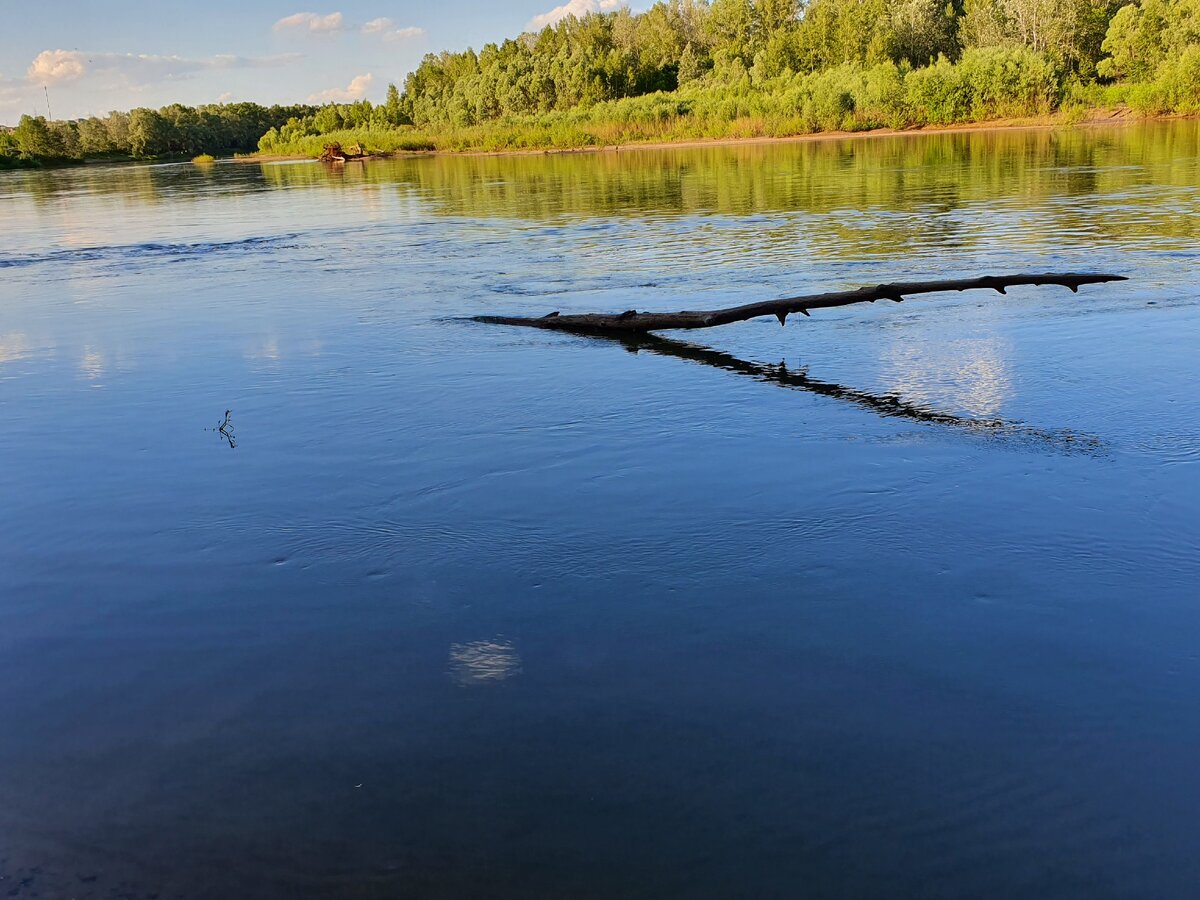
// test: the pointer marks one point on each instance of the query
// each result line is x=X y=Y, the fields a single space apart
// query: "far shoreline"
x=1101 y=118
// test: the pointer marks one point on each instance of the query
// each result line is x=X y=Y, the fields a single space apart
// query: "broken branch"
x=634 y=322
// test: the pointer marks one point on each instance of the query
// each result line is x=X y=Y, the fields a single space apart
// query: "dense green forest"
x=726 y=68
x=741 y=68
x=146 y=133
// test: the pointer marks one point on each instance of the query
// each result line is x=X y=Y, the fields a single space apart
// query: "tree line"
x=147 y=133
x=579 y=62
x=690 y=68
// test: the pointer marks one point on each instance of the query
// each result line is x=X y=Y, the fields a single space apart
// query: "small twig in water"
x=226 y=429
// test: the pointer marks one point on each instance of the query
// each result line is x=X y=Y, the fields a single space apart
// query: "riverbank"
x=1107 y=117
x=17 y=163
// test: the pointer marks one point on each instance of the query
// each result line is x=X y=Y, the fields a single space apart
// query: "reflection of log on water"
x=634 y=322
x=889 y=404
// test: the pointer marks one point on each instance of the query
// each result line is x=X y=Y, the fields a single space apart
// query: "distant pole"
x=49 y=115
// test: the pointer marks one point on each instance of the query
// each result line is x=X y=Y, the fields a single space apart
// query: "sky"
x=93 y=56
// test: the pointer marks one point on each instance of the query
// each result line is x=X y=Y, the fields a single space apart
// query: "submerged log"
x=634 y=322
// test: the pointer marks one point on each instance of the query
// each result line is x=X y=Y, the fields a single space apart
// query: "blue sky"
x=117 y=54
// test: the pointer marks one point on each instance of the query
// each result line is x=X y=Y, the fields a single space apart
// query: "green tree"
x=730 y=28
x=117 y=126
x=921 y=30
x=689 y=66
x=329 y=118
x=1142 y=35
x=983 y=24
x=94 y=138
x=1069 y=31
x=394 y=111
x=148 y=133
x=34 y=138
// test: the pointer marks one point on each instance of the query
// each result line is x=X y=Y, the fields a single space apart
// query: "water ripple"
x=150 y=250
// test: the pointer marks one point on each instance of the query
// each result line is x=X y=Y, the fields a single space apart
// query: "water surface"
x=895 y=601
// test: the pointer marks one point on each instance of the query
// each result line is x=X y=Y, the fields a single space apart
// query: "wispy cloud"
x=66 y=66
x=312 y=22
x=378 y=26
x=576 y=8
x=386 y=29
x=353 y=91
x=14 y=95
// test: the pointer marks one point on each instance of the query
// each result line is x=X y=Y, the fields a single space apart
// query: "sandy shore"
x=1097 y=118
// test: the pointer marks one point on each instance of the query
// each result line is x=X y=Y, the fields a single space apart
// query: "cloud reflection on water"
x=13 y=346
x=483 y=662
x=971 y=374
x=93 y=364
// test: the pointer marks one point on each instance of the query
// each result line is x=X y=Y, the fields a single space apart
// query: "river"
x=895 y=601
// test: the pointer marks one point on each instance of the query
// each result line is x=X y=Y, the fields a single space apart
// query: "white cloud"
x=65 y=66
x=386 y=29
x=576 y=8
x=56 y=66
x=313 y=22
x=404 y=34
x=353 y=91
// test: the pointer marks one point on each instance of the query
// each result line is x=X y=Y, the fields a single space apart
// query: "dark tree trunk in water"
x=634 y=322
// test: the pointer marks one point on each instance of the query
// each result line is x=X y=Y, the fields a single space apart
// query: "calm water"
x=896 y=601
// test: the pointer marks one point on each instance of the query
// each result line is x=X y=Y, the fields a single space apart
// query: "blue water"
x=895 y=601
